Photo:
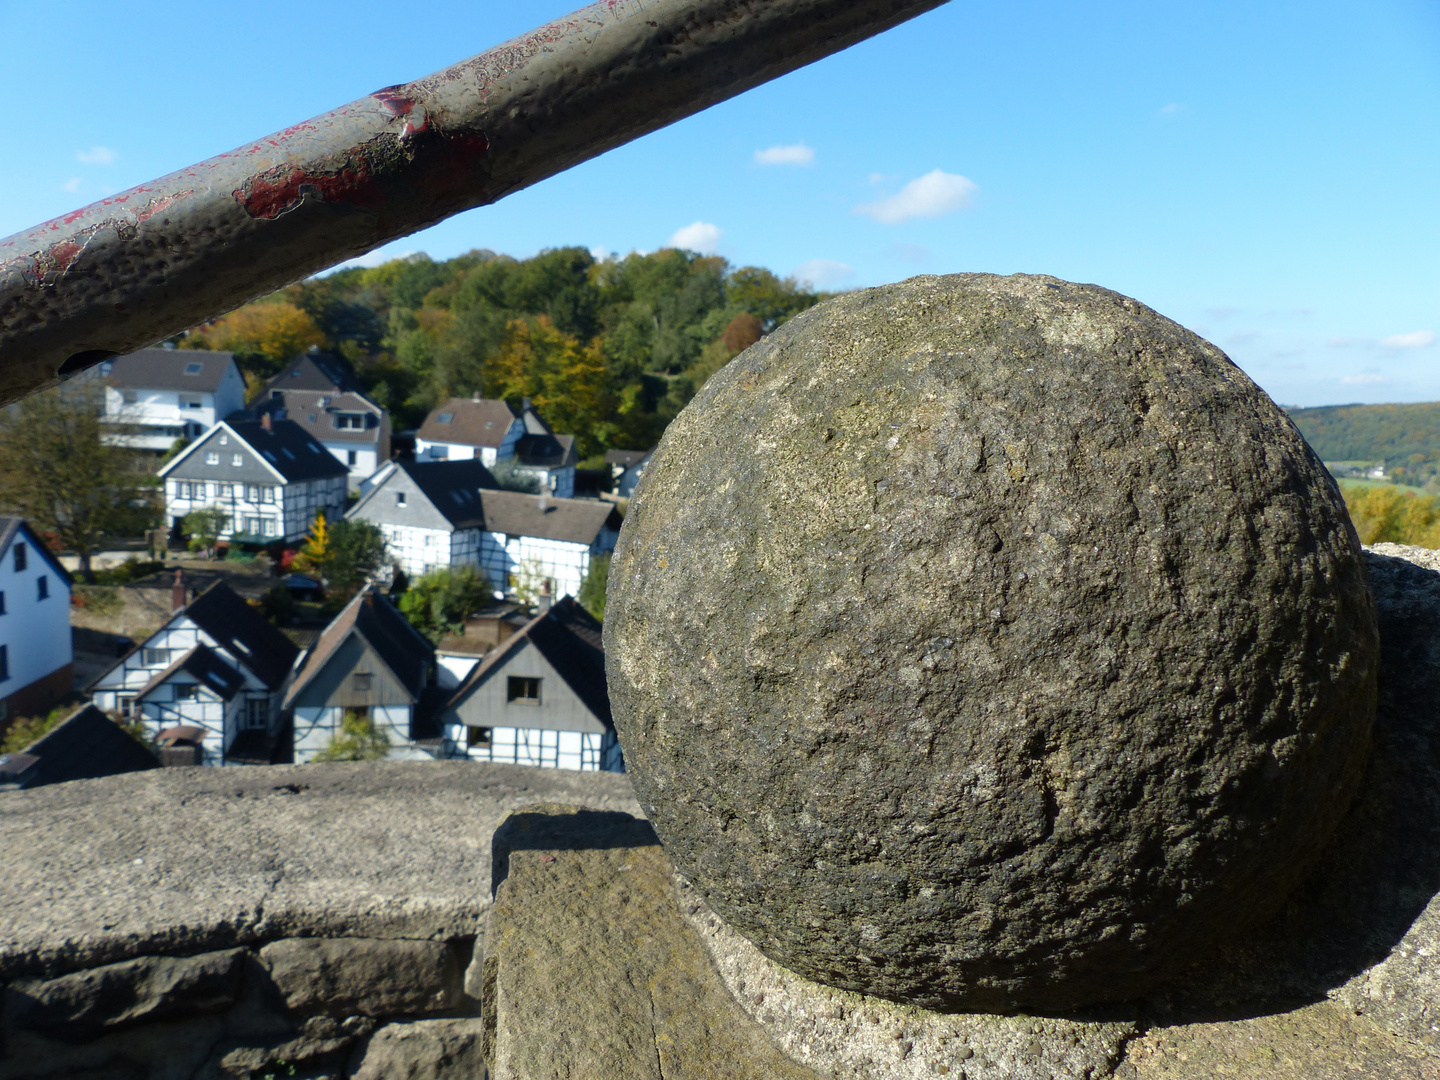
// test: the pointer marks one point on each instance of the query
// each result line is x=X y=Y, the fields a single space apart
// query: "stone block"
x=367 y=976
x=422 y=1050
x=85 y=1004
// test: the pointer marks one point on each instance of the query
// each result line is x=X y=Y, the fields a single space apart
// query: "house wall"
x=566 y=564
x=35 y=632
x=367 y=460
x=317 y=726
x=559 y=709
x=488 y=455
x=283 y=511
x=563 y=478
x=160 y=407
x=574 y=750
x=220 y=719
x=416 y=550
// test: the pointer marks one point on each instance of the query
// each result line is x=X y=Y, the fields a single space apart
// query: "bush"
x=130 y=570
x=438 y=603
x=592 y=589
x=98 y=600
x=1385 y=513
x=357 y=740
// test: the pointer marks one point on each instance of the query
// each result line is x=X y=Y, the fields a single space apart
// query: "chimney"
x=545 y=597
x=266 y=422
x=474 y=395
x=177 y=590
x=524 y=406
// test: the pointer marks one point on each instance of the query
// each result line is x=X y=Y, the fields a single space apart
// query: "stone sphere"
x=989 y=643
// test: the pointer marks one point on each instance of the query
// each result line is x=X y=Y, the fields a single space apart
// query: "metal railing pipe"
x=143 y=265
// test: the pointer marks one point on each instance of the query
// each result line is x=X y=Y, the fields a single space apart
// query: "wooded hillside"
x=1405 y=437
x=608 y=351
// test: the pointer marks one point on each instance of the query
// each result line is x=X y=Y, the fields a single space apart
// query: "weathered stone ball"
x=989 y=643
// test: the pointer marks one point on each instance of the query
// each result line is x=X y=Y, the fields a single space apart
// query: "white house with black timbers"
x=317 y=393
x=538 y=699
x=370 y=661
x=36 y=659
x=155 y=396
x=626 y=468
x=544 y=458
x=270 y=478
x=435 y=514
x=216 y=668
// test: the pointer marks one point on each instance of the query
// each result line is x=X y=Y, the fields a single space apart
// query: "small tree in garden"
x=204 y=528
x=357 y=740
x=592 y=589
x=344 y=556
x=438 y=603
x=315 y=551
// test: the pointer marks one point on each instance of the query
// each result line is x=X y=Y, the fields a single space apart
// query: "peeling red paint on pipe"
x=140 y=266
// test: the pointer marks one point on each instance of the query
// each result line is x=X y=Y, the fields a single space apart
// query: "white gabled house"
x=435 y=514
x=214 y=675
x=626 y=468
x=465 y=428
x=371 y=661
x=538 y=699
x=547 y=458
x=321 y=395
x=155 y=396
x=270 y=477
x=36 y=658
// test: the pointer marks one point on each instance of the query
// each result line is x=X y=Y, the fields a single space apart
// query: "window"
x=20 y=554
x=252 y=526
x=185 y=691
x=224 y=440
x=257 y=712
x=268 y=493
x=225 y=491
x=129 y=397
x=125 y=703
x=42 y=587
x=352 y=458
x=191 y=401
x=439 y=452
x=324 y=403
x=194 y=369
x=277 y=395
x=237 y=459
x=522 y=690
x=444 y=418
x=156 y=657
x=360 y=682
x=4 y=662
x=212 y=458
x=350 y=421
x=477 y=736
x=2 y=602
x=271 y=528
x=253 y=493
x=399 y=498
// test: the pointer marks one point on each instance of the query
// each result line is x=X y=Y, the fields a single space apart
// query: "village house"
x=546 y=459
x=85 y=745
x=464 y=428
x=626 y=468
x=155 y=396
x=270 y=478
x=36 y=657
x=539 y=698
x=317 y=393
x=435 y=514
x=213 y=677
x=370 y=661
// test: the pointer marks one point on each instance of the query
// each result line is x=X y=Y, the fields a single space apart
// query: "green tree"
x=1383 y=513
x=345 y=555
x=57 y=472
x=204 y=528
x=592 y=589
x=357 y=740
x=438 y=603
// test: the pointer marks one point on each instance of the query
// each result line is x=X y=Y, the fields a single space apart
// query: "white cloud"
x=97 y=155
x=1418 y=340
x=600 y=254
x=798 y=154
x=824 y=273
x=72 y=185
x=699 y=236
x=933 y=195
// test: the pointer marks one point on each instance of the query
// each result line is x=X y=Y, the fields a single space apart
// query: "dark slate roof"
x=371 y=615
x=473 y=421
x=207 y=668
x=320 y=371
x=85 y=745
x=577 y=521
x=568 y=637
x=627 y=458
x=316 y=412
x=287 y=447
x=12 y=527
x=453 y=487
x=546 y=451
x=168 y=369
x=242 y=632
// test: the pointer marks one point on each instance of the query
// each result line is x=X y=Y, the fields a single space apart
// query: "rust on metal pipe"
x=140 y=266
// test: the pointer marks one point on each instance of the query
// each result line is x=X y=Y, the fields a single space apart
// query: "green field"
x=1406 y=438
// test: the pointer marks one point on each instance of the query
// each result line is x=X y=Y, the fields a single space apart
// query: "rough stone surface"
x=184 y=861
x=988 y=643
x=85 y=1004
x=423 y=1050
x=364 y=976
x=591 y=971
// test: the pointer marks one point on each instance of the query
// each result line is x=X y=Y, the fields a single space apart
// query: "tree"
x=56 y=471
x=357 y=740
x=204 y=528
x=592 y=589
x=438 y=603
x=263 y=335
x=344 y=555
x=1384 y=513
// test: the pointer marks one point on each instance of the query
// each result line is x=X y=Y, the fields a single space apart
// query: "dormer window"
x=277 y=395
x=324 y=403
x=350 y=421
x=194 y=369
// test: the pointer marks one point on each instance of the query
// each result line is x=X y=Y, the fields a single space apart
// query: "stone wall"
x=311 y=921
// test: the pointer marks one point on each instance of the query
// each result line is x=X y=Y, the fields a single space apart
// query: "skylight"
x=194 y=369
x=445 y=418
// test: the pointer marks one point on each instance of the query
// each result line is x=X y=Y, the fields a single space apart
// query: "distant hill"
x=1404 y=437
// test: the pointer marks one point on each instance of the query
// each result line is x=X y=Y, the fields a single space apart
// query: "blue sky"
x=1267 y=174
